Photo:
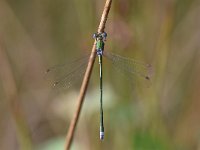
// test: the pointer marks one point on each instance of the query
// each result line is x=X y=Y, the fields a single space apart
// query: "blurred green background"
x=35 y=35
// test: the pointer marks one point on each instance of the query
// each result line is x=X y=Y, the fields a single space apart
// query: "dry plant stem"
x=86 y=78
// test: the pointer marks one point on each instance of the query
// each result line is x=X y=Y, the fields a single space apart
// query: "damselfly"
x=126 y=65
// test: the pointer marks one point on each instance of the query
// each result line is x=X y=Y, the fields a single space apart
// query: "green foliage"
x=147 y=141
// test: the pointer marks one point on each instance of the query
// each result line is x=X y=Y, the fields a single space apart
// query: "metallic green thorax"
x=100 y=45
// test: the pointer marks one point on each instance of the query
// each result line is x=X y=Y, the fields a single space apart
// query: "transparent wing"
x=64 y=75
x=134 y=70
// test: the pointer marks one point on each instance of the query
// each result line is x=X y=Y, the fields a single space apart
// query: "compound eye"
x=95 y=35
x=104 y=34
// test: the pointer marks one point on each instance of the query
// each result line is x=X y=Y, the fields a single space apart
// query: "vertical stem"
x=86 y=78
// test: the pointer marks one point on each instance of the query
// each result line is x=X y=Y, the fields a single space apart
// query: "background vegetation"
x=35 y=35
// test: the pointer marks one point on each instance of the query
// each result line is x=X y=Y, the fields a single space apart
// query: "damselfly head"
x=100 y=36
x=104 y=35
x=95 y=35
